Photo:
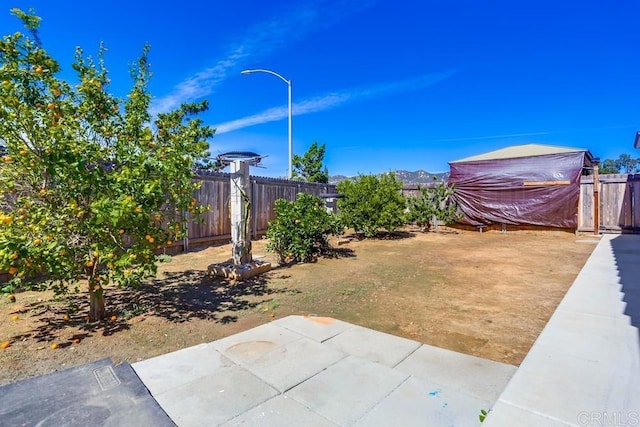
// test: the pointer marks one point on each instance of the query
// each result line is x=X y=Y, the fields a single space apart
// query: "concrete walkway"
x=584 y=368
x=315 y=371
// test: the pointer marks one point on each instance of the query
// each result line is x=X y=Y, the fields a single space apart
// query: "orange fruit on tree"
x=13 y=270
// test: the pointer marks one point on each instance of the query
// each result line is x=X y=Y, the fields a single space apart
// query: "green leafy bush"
x=372 y=203
x=432 y=203
x=301 y=229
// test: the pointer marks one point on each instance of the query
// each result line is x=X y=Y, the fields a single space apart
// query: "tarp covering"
x=536 y=190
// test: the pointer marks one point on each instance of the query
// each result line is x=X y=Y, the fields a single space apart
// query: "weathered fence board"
x=215 y=225
x=619 y=207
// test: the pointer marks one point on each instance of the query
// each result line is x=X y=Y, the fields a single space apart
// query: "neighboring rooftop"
x=526 y=150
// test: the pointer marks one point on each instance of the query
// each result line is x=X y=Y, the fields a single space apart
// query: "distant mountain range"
x=407 y=177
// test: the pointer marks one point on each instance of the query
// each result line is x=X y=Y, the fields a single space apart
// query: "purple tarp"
x=538 y=190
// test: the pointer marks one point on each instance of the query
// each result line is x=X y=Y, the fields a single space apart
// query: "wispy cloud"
x=257 y=42
x=333 y=100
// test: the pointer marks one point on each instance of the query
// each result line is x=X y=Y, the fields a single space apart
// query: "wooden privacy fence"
x=619 y=203
x=215 y=225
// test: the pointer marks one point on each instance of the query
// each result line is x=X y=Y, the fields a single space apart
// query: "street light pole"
x=288 y=82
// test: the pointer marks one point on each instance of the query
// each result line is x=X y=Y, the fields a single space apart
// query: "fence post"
x=254 y=209
x=596 y=201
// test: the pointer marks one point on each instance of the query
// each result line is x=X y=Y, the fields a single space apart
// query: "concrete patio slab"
x=161 y=374
x=388 y=350
x=214 y=399
x=347 y=390
x=288 y=366
x=418 y=402
x=280 y=411
x=247 y=346
x=484 y=379
x=317 y=328
x=304 y=370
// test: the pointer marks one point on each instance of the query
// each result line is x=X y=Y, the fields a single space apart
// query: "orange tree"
x=90 y=187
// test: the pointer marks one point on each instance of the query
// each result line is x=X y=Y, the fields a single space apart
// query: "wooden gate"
x=619 y=207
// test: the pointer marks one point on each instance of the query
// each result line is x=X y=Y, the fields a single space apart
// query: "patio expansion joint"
x=409 y=354
x=384 y=397
x=344 y=356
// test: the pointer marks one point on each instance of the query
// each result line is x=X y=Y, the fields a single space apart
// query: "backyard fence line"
x=214 y=226
x=619 y=205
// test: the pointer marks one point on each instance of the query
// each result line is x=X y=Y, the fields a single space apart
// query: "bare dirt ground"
x=486 y=294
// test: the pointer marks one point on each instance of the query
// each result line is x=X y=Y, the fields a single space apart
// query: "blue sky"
x=386 y=85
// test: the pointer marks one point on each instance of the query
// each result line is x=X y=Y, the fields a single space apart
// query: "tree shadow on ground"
x=328 y=252
x=178 y=297
x=385 y=235
x=333 y=252
x=194 y=294
x=56 y=315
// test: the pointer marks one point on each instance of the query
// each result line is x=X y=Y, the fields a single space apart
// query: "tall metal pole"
x=290 y=135
x=290 y=107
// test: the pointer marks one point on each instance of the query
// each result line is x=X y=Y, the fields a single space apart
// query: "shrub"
x=301 y=229
x=371 y=203
x=433 y=203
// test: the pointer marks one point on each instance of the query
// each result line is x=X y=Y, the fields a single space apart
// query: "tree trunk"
x=96 y=302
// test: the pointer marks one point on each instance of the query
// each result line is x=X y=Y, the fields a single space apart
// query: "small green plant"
x=483 y=415
x=301 y=229
x=431 y=206
x=163 y=258
x=133 y=309
x=372 y=203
